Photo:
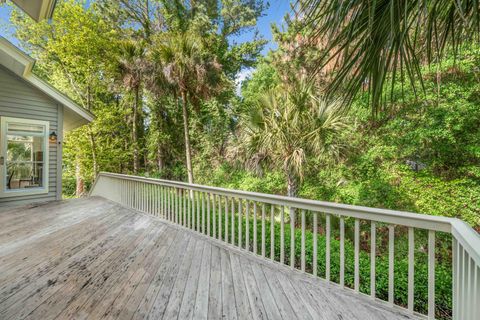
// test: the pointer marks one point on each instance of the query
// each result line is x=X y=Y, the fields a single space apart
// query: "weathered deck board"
x=93 y=259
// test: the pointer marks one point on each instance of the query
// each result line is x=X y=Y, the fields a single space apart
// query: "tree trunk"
x=292 y=191
x=80 y=185
x=160 y=161
x=292 y=185
x=93 y=145
x=136 y=161
x=188 y=148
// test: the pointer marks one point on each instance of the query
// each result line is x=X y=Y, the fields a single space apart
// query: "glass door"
x=24 y=157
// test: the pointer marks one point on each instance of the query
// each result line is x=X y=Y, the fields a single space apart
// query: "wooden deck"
x=91 y=258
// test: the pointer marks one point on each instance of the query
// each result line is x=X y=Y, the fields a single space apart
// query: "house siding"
x=19 y=99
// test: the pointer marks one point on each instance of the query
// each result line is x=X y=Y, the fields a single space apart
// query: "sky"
x=274 y=14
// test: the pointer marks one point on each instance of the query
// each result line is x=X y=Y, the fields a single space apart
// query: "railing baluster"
x=431 y=274
x=150 y=201
x=247 y=226
x=198 y=211
x=168 y=194
x=128 y=193
x=263 y=230
x=292 y=238
x=149 y=198
x=342 y=251
x=185 y=212
x=282 y=235
x=220 y=217
x=144 y=198
x=315 y=243
x=255 y=227
x=162 y=200
x=240 y=222
x=471 y=286
x=154 y=199
x=214 y=224
x=138 y=197
x=327 y=250
x=373 y=249
x=132 y=194
x=232 y=212
x=476 y=297
x=461 y=288
x=357 y=256
x=159 y=200
x=140 y=185
x=187 y=208
x=176 y=205
x=191 y=209
x=208 y=214
x=272 y=232
x=455 y=278
x=125 y=193
x=226 y=219
x=203 y=213
x=167 y=203
x=391 y=262
x=194 y=208
x=172 y=205
x=303 y=242
x=411 y=268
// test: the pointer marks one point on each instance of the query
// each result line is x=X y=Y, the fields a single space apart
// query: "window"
x=24 y=153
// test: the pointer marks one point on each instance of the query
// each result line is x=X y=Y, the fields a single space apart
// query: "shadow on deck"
x=92 y=258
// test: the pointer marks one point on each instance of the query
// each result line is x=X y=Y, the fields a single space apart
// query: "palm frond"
x=377 y=41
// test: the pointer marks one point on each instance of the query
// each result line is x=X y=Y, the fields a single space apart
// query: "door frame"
x=4 y=193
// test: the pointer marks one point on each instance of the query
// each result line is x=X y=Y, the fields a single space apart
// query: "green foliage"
x=374 y=40
x=287 y=126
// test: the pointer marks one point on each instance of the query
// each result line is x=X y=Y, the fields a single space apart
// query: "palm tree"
x=286 y=127
x=129 y=69
x=189 y=72
x=376 y=42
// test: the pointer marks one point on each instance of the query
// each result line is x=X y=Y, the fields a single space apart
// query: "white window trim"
x=4 y=193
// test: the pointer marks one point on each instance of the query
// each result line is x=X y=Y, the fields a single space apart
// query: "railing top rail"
x=408 y=219
x=468 y=238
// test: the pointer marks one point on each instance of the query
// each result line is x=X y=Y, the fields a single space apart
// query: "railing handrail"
x=409 y=219
x=468 y=238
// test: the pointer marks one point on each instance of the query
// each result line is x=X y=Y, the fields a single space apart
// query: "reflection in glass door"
x=24 y=155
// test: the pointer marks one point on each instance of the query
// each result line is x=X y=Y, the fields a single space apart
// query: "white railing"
x=251 y=221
